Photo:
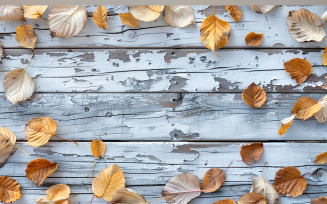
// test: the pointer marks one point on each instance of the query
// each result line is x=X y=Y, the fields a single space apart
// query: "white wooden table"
x=164 y=104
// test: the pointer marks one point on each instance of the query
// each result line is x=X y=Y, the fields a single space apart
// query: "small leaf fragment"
x=251 y=153
x=324 y=16
x=234 y=12
x=212 y=180
x=321 y=200
x=321 y=115
x=98 y=148
x=25 y=36
x=11 y=12
x=179 y=15
x=324 y=56
x=299 y=69
x=262 y=8
x=254 y=95
x=226 y=201
x=34 y=11
x=128 y=19
x=305 y=107
x=286 y=124
x=100 y=17
x=9 y=190
x=253 y=39
x=57 y=194
x=146 y=12
x=1 y=51
x=6 y=148
x=251 y=198
x=39 y=169
x=126 y=196
x=321 y=158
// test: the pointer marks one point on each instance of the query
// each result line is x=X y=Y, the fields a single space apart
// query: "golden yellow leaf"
x=179 y=15
x=8 y=133
x=251 y=153
x=253 y=39
x=128 y=19
x=25 y=36
x=305 y=107
x=5 y=149
x=212 y=180
x=251 y=198
x=299 y=69
x=100 y=17
x=39 y=169
x=226 y=201
x=254 y=95
x=127 y=196
x=262 y=8
x=324 y=57
x=107 y=182
x=146 y=12
x=34 y=11
x=234 y=12
x=286 y=124
x=321 y=158
x=9 y=190
x=98 y=148
x=57 y=194
x=11 y=12
x=214 y=33
x=321 y=115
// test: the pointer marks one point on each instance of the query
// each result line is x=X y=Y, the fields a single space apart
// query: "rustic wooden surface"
x=164 y=104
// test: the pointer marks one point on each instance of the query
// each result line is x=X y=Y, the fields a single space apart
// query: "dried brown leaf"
x=5 y=149
x=251 y=198
x=1 y=51
x=234 y=12
x=34 y=11
x=57 y=194
x=253 y=39
x=179 y=15
x=262 y=8
x=305 y=107
x=212 y=180
x=321 y=115
x=25 y=36
x=226 y=201
x=9 y=190
x=321 y=158
x=98 y=148
x=254 y=95
x=11 y=12
x=321 y=200
x=8 y=133
x=146 y=12
x=39 y=169
x=100 y=17
x=299 y=69
x=251 y=153
x=127 y=196
x=128 y=19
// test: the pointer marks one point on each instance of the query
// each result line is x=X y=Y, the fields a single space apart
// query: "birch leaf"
x=100 y=17
x=251 y=198
x=9 y=134
x=25 y=36
x=304 y=26
x=127 y=196
x=234 y=12
x=128 y=19
x=305 y=107
x=254 y=95
x=182 y=189
x=226 y=201
x=214 y=33
x=251 y=153
x=321 y=200
x=67 y=21
x=253 y=39
x=262 y=8
x=286 y=124
x=179 y=15
x=212 y=180
x=321 y=158
x=1 y=51
x=321 y=115
x=324 y=57
x=5 y=150
x=299 y=69
x=146 y=12
x=98 y=148
x=10 y=12
x=264 y=188
x=34 y=11
x=57 y=194
x=9 y=190
x=39 y=169
x=18 y=85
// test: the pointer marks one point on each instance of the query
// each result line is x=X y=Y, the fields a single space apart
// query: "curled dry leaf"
x=9 y=190
x=25 y=36
x=305 y=107
x=321 y=158
x=226 y=201
x=321 y=200
x=57 y=194
x=286 y=124
x=34 y=11
x=1 y=51
x=254 y=95
x=179 y=15
x=299 y=69
x=39 y=169
x=214 y=33
x=253 y=39
x=10 y=12
x=182 y=189
x=100 y=17
x=128 y=19
x=251 y=153
x=127 y=196
x=324 y=57
x=98 y=148
x=264 y=188
x=262 y=8
x=212 y=180
x=321 y=115
x=107 y=182
x=146 y=12
x=304 y=26
x=234 y=12
x=18 y=85
x=67 y=21
x=251 y=198
x=5 y=149
x=289 y=182
x=8 y=133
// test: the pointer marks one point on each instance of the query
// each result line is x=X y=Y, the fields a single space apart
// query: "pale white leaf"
x=321 y=115
x=285 y=121
x=10 y=12
x=262 y=8
x=324 y=16
x=264 y=188
x=179 y=15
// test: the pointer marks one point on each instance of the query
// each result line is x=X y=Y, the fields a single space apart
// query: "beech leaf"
x=67 y=21
x=127 y=196
x=107 y=182
x=128 y=19
x=264 y=188
x=251 y=198
x=25 y=36
x=34 y=11
x=98 y=148
x=9 y=134
x=146 y=12
x=286 y=124
x=57 y=194
x=9 y=190
x=321 y=115
x=182 y=189
x=212 y=180
x=289 y=182
x=324 y=57
x=299 y=69
x=253 y=39
x=305 y=107
x=39 y=169
x=6 y=148
x=321 y=158
x=179 y=15
x=254 y=95
x=304 y=26
x=321 y=200
x=226 y=201
x=262 y=8
x=11 y=12
x=251 y=153
x=234 y=12
x=100 y=17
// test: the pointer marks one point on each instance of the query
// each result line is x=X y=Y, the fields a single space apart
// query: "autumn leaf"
x=100 y=17
x=179 y=15
x=321 y=158
x=234 y=12
x=10 y=12
x=299 y=69
x=25 y=36
x=262 y=8
x=253 y=39
x=107 y=182
x=127 y=196
x=251 y=198
x=226 y=201
x=128 y=19
x=57 y=194
x=321 y=200
x=1 y=51
x=324 y=57
x=67 y=21
x=182 y=189
x=254 y=95
x=304 y=26
x=34 y=11
x=39 y=169
x=39 y=130
x=251 y=153
x=9 y=134
x=212 y=180
x=6 y=148
x=214 y=33
x=289 y=182
x=146 y=12
x=286 y=124
x=9 y=190
x=305 y=107
x=324 y=16
x=321 y=115
x=98 y=148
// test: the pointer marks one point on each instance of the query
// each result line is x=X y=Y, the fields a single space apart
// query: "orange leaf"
x=251 y=153
x=324 y=57
x=226 y=201
x=286 y=124
x=212 y=180
x=253 y=39
x=234 y=12
x=251 y=198
x=39 y=169
x=9 y=190
x=321 y=200
x=254 y=95
x=305 y=107
x=289 y=182
x=100 y=17
x=98 y=148
x=299 y=69
x=128 y=19
x=321 y=158
x=25 y=36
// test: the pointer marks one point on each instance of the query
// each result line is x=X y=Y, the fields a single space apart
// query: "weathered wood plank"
x=160 y=34
x=165 y=116
x=149 y=165
x=162 y=70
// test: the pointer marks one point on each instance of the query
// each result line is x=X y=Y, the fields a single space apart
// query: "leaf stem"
x=92 y=198
x=21 y=150
x=322 y=25
x=282 y=9
x=314 y=81
x=306 y=174
x=92 y=169
x=66 y=140
x=95 y=137
x=263 y=168
x=29 y=61
x=228 y=166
